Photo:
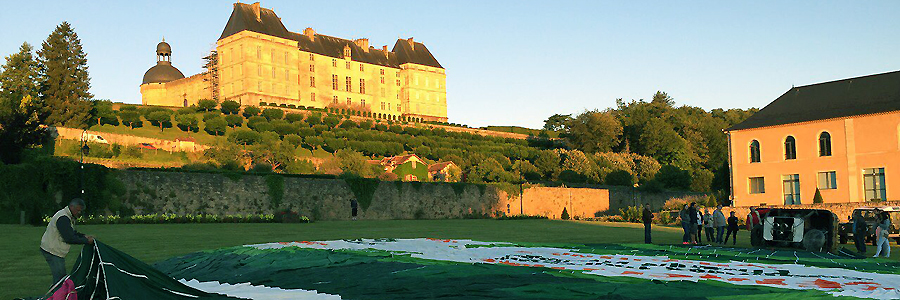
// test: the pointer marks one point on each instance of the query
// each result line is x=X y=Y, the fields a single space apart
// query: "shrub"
x=331 y=121
x=161 y=119
x=211 y=115
x=388 y=176
x=230 y=107
x=293 y=140
x=396 y=129
x=284 y=129
x=619 y=177
x=206 y=105
x=215 y=126
x=131 y=118
x=314 y=119
x=817 y=198
x=262 y=127
x=187 y=110
x=187 y=122
x=631 y=214
x=678 y=203
x=565 y=214
x=300 y=166
x=244 y=137
x=348 y=124
x=674 y=178
x=313 y=142
x=251 y=111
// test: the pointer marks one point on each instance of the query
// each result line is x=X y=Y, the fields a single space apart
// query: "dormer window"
x=347 y=52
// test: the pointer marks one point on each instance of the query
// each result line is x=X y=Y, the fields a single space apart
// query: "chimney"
x=412 y=44
x=255 y=8
x=362 y=43
x=384 y=49
x=310 y=33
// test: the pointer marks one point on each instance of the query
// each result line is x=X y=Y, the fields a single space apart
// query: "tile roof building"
x=841 y=138
x=259 y=60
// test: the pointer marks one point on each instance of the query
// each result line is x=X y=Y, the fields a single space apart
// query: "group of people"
x=881 y=231
x=694 y=222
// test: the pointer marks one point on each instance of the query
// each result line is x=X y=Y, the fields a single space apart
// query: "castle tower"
x=163 y=71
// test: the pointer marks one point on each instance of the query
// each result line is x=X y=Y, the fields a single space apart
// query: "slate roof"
x=243 y=18
x=864 y=95
x=162 y=72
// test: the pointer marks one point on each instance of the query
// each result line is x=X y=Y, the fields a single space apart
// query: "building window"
x=334 y=82
x=362 y=86
x=416 y=80
x=349 y=102
x=874 y=184
x=273 y=72
x=312 y=68
x=754 y=151
x=287 y=74
x=258 y=52
x=312 y=57
x=349 y=84
x=259 y=86
x=286 y=56
x=362 y=102
x=398 y=107
x=381 y=72
x=398 y=82
x=382 y=92
x=312 y=81
x=312 y=97
x=382 y=79
x=334 y=62
x=272 y=57
x=382 y=105
x=790 y=148
x=334 y=99
x=791 y=187
x=348 y=65
x=259 y=70
x=827 y=180
x=825 y=144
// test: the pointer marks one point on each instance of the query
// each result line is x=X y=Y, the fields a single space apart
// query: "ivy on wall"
x=276 y=189
x=363 y=189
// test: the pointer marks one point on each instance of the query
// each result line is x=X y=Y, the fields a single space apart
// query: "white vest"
x=52 y=241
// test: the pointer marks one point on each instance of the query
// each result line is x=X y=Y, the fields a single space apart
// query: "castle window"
x=347 y=52
x=286 y=57
x=349 y=102
x=416 y=80
x=398 y=82
x=349 y=84
x=312 y=97
x=348 y=65
x=361 y=67
x=273 y=72
x=382 y=92
x=426 y=81
x=287 y=75
x=398 y=107
x=312 y=68
x=382 y=105
x=259 y=86
x=334 y=82
x=334 y=100
x=362 y=86
x=312 y=57
x=825 y=144
x=334 y=63
x=272 y=57
x=381 y=72
x=362 y=102
x=754 y=151
x=312 y=81
x=258 y=52
x=790 y=148
x=382 y=79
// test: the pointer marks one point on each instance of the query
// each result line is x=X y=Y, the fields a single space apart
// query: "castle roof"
x=856 y=96
x=162 y=72
x=253 y=18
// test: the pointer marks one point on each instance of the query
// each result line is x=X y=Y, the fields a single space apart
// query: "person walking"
x=859 y=233
x=60 y=235
x=708 y=226
x=685 y=224
x=881 y=235
x=732 y=229
x=719 y=222
x=692 y=214
x=647 y=217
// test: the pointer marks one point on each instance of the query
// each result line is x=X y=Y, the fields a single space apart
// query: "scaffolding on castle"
x=212 y=73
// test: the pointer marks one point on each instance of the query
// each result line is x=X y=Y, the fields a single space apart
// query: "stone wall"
x=842 y=210
x=329 y=199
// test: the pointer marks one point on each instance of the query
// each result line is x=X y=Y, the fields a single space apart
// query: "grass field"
x=23 y=271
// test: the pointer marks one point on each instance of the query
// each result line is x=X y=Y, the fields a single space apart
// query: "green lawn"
x=23 y=271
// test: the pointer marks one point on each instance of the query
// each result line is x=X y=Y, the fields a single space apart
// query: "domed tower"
x=163 y=71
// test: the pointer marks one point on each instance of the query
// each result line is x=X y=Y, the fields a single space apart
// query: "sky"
x=516 y=62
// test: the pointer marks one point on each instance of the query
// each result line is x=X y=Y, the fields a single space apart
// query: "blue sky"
x=517 y=62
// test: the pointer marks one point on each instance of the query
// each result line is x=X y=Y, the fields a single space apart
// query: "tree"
x=103 y=112
x=556 y=122
x=230 y=107
x=244 y=137
x=20 y=126
x=354 y=163
x=187 y=122
x=161 y=119
x=293 y=140
x=19 y=75
x=207 y=105
x=64 y=80
x=131 y=118
x=593 y=131
x=215 y=126
x=250 y=111
x=619 y=177
x=313 y=142
x=293 y=117
x=234 y=120
x=284 y=129
x=273 y=113
x=817 y=198
x=673 y=178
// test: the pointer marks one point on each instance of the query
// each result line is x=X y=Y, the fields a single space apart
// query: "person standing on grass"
x=859 y=233
x=354 y=207
x=647 y=217
x=700 y=226
x=881 y=235
x=732 y=229
x=59 y=237
x=685 y=224
x=708 y=226
x=719 y=222
x=692 y=214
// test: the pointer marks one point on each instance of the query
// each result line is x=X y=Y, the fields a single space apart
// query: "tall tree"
x=21 y=112
x=556 y=122
x=593 y=131
x=64 y=80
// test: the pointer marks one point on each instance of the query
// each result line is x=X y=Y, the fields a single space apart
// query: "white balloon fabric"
x=836 y=281
x=256 y=292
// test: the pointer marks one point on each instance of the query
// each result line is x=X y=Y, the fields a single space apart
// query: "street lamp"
x=84 y=151
x=633 y=194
